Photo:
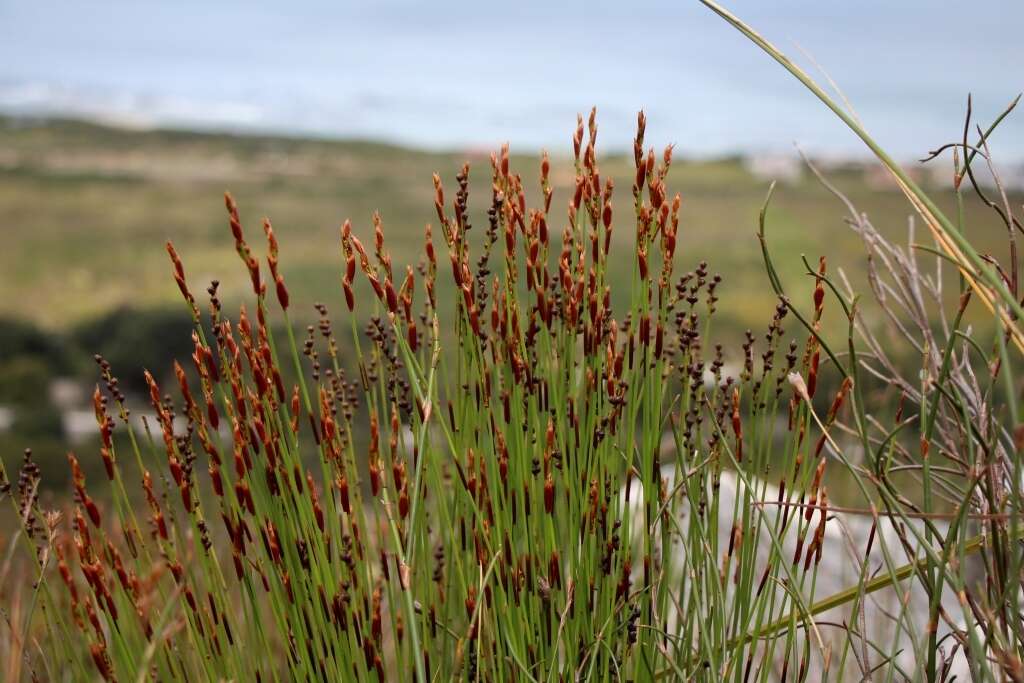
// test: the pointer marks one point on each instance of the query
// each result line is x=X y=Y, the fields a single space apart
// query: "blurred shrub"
x=134 y=340
x=20 y=338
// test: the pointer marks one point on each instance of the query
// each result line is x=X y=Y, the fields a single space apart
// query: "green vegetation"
x=523 y=453
x=84 y=204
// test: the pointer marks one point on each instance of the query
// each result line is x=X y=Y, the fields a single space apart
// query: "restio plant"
x=488 y=474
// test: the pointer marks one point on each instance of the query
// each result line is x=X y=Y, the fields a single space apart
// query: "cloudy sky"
x=469 y=74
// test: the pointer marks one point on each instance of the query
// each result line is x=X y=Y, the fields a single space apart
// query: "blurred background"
x=122 y=123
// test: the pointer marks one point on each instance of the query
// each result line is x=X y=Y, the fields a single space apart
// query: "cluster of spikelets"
x=480 y=496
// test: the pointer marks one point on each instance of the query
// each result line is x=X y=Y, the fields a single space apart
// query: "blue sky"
x=450 y=75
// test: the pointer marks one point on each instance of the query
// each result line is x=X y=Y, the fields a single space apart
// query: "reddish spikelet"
x=390 y=297
x=638 y=142
x=296 y=410
x=93 y=511
x=99 y=657
x=812 y=354
x=282 y=292
x=374 y=453
x=205 y=355
x=258 y=287
x=108 y=461
x=179 y=278
x=65 y=574
x=233 y=220
x=819 y=290
x=812 y=373
x=819 y=474
x=104 y=421
x=428 y=245
x=819 y=533
x=471 y=480
x=350 y=264
x=837 y=402
x=439 y=201
x=272 y=542
x=318 y=512
x=641 y=175
x=378 y=289
x=403 y=503
x=549 y=494
x=186 y=392
x=470 y=604
x=735 y=538
x=157 y=517
x=622 y=589
x=737 y=425
x=78 y=479
x=798 y=553
x=555 y=570
x=350 y=297
x=342 y=484
x=272 y=248
x=245 y=496
x=154 y=391
x=375 y=478
x=406 y=293
x=215 y=480
x=412 y=336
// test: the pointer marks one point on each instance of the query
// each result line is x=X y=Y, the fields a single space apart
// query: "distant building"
x=79 y=425
x=67 y=393
x=784 y=168
x=879 y=177
x=1011 y=176
x=6 y=418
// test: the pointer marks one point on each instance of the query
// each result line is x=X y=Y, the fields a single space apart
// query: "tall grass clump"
x=487 y=473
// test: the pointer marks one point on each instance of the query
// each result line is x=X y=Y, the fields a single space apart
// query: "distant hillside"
x=86 y=210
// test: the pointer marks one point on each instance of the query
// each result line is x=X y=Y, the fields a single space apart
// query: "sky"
x=475 y=74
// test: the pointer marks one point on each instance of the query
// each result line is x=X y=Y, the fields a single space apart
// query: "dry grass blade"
x=982 y=278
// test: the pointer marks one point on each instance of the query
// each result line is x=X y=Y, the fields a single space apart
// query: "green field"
x=86 y=210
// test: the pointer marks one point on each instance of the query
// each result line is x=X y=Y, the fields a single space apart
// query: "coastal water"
x=475 y=74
